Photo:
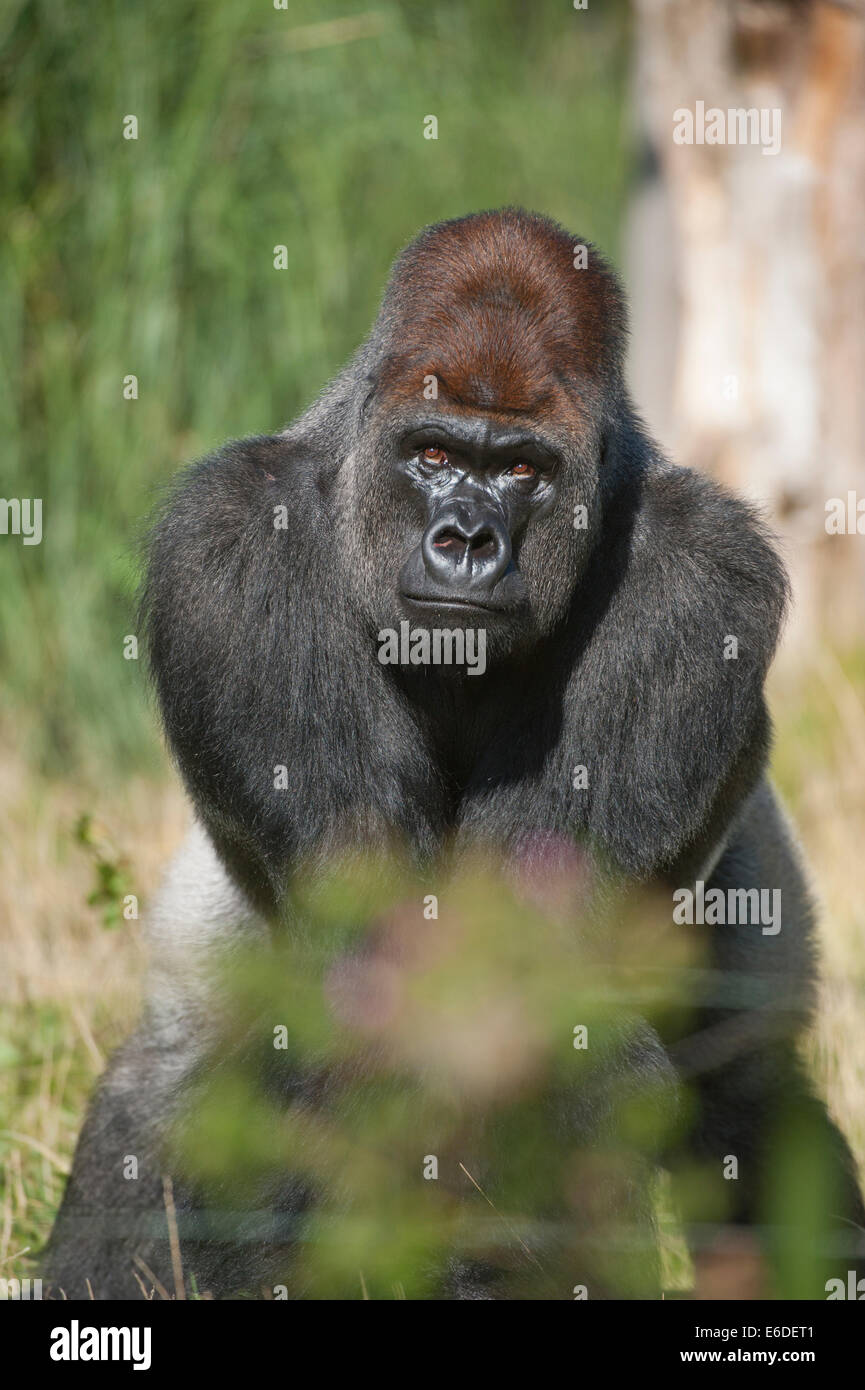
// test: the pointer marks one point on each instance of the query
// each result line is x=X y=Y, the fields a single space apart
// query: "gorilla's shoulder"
x=692 y=539
x=265 y=480
x=244 y=468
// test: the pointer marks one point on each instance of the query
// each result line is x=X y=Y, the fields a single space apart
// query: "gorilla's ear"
x=666 y=705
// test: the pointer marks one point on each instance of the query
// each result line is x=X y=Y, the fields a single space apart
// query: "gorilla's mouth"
x=451 y=601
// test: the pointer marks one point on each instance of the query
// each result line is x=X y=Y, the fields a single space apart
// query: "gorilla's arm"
x=666 y=701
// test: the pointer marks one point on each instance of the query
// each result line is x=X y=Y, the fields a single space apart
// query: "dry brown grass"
x=820 y=763
x=69 y=985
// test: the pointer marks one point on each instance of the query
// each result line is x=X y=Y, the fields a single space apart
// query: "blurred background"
x=153 y=257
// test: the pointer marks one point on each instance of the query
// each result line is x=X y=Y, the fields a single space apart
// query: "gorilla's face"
x=475 y=486
x=468 y=522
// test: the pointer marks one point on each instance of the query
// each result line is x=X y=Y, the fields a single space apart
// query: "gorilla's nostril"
x=449 y=540
x=484 y=546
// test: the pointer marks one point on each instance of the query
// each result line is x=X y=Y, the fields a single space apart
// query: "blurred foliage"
x=398 y=1104
x=110 y=869
x=421 y=1082
x=154 y=257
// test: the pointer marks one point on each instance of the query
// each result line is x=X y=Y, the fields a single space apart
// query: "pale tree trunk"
x=748 y=271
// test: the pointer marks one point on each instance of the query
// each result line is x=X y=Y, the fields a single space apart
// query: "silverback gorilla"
x=477 y=467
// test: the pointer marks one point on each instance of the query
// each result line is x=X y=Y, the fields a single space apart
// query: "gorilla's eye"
x=432 y=454
x=521 y=469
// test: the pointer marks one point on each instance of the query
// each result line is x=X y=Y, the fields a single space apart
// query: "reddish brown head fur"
x=493 y=306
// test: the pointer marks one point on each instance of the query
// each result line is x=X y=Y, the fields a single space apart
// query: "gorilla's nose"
x=467 y=548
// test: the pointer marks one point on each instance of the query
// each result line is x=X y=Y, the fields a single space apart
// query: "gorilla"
x=476 y=470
